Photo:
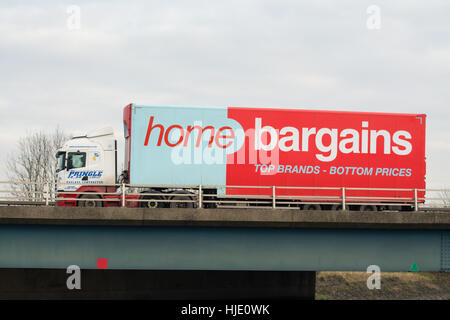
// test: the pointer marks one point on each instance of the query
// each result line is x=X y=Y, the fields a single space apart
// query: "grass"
x=394 y=285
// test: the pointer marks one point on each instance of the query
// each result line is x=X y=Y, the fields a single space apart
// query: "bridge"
x=288 y=245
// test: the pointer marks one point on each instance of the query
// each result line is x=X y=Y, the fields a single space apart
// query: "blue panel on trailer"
x=207 y=248
x=154 y=162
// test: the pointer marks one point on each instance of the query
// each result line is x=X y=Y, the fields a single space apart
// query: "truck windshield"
x=61 y=159
x=76 y=160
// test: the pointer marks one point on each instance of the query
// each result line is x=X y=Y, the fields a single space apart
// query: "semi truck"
x=178 y=156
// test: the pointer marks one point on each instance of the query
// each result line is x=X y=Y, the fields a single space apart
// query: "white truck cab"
x=89 y=159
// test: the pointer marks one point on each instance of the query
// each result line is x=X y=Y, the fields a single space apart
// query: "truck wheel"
x=88 y=200
x=181 y=204
x=336 y=207
x=368 y=208
x=312 y=207
x=151 y=203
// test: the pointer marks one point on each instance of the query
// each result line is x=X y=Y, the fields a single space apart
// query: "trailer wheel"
x=151 y=202
x=336 y=207
x=368 y=208
x=89 y=200
x=181 y=204
x=312 y=207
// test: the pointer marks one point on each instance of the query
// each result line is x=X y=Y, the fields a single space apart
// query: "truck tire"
x=180 y=205
x=151 y=203
x=368 y=208
x=336 y=207
x=86 y=200
x=312 y=207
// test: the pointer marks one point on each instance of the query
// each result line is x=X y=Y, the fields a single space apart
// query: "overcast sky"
x=315 y=55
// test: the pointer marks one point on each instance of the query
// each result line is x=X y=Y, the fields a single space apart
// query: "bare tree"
x=34 y=162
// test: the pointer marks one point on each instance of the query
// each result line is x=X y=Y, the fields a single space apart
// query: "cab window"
x=76 y=160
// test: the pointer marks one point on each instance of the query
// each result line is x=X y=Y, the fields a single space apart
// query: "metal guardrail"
x=34 y=193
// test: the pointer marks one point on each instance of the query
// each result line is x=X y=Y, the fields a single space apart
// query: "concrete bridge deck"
x=207 y=252
x=255 y=217
x=223 y=239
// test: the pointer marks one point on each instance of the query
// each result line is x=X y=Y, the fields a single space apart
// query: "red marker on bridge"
x=102 y=263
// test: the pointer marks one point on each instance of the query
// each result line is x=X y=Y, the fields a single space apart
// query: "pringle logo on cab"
x=327 y=142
